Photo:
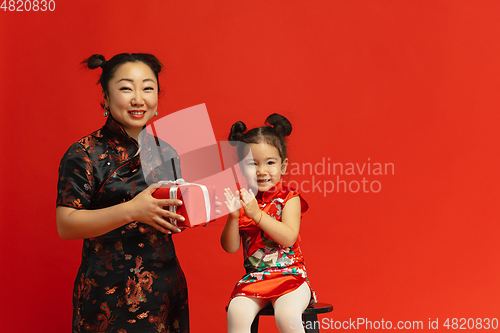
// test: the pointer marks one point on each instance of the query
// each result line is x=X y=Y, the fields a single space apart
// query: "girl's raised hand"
x=149 y=210
x=250 y=204
x=232 y=203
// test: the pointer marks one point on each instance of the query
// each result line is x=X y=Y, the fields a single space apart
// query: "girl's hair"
x=273 y=135
x=110 y=66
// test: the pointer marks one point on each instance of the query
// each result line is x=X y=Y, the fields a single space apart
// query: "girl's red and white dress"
x=272 y=270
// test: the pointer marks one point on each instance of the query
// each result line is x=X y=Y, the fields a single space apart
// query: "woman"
x=129 y=279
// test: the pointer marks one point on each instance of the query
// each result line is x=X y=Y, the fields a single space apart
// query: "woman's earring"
x=106 y=110
x=156 y=113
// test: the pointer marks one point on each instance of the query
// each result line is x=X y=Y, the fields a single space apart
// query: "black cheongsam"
x=130 y=279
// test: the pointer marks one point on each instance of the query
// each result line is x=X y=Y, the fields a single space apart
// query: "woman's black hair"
x=273 y=135
x=110 y=66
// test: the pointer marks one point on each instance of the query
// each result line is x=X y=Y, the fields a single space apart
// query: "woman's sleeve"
x=76 y=183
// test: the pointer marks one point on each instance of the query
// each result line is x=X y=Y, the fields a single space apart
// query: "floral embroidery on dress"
x=135 y=289
x=103 y=321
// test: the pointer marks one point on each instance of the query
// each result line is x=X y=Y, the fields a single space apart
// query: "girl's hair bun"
x=237 y=131
x=94 y=61
x=280 y=124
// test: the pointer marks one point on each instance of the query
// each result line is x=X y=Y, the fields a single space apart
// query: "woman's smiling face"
x=133 y=96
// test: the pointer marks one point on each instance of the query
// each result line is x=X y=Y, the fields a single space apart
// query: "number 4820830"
x=28 y=5
x=471 y=323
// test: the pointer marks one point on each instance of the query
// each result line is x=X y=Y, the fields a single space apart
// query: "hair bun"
x=280 y=124
x=94 y=61
x=237 y=131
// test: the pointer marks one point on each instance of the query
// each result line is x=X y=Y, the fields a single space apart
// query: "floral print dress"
x=129 y=279
x=272 y=270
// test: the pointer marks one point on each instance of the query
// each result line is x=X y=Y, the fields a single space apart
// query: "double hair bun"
x=277 y=122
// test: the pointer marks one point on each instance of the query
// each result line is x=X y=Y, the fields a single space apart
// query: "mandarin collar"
x=270 y=194
x=117 y=129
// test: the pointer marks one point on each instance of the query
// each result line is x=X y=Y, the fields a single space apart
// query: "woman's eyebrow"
x=130 y=80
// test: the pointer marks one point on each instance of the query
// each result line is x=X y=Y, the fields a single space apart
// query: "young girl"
x=268 y=226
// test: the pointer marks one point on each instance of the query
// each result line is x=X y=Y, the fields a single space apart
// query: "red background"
x=413 y=83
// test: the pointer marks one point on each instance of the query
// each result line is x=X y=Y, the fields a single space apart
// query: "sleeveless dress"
x=272 y=270
x=129 y=279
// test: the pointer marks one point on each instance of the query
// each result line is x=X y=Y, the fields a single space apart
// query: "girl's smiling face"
x=263 y=168
x=133 y=96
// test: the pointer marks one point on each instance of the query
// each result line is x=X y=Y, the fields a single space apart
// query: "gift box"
x=198 y=202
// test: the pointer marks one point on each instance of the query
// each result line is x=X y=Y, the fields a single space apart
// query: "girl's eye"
x=271 y=163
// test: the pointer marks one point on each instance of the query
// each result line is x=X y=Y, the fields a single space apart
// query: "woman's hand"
x=149 y=210
x=75 y=223
x=232 y=203
x=250 y=204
